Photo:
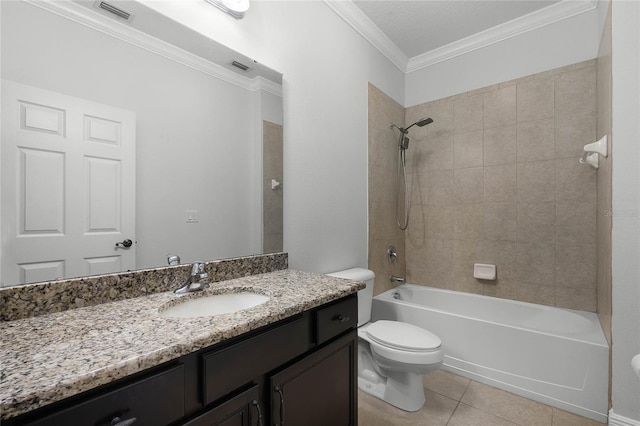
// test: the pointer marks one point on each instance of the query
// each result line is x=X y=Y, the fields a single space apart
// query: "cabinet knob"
x=117 y=421
x=342 y=319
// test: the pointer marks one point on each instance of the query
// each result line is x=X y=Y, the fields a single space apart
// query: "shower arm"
x=402 y=130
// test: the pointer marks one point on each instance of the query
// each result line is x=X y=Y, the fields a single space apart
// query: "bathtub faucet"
x=395 y=279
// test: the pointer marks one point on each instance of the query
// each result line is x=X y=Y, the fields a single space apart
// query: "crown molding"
x=353 y=16
x=261 y=83
x=120 y=31
x=356 y=18
x=534 y=20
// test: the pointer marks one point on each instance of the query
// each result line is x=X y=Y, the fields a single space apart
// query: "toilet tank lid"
x=359 y=274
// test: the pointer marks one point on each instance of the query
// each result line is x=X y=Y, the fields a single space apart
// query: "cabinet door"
x=319 y=389
x=242 y=410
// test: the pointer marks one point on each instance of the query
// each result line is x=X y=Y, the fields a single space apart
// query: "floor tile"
x=436 y=411
x=469 y=416
x=480 y=405
x=367 y=418
x=564 y=418
x=503 y=404
x=445 y=383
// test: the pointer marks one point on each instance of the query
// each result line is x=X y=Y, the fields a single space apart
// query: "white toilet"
x=392 y=355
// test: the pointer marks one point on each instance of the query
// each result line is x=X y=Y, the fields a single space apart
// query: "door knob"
x=126 y=243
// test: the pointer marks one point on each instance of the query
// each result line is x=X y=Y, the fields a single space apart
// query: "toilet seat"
x=397 y=342
x=403 y=336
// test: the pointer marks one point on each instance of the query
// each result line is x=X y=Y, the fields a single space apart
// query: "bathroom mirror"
x=204 y=180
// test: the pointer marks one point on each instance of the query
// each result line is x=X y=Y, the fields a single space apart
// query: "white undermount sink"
x=215 y=305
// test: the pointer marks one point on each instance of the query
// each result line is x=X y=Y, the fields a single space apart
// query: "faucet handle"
x=197 y=268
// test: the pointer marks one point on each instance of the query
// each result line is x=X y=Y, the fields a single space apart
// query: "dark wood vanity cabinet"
x=304 y=372
x=299 y=371
x=319 y=389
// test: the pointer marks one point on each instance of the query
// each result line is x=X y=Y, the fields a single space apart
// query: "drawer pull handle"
x=342 y=319
x=117 y=421
x=257 y=405
x=279 y=390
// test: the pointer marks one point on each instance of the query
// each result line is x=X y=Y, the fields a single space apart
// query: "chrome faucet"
x=395 y=279
x=193 y=282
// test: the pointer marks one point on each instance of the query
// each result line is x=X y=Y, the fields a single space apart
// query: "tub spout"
x=395 y=279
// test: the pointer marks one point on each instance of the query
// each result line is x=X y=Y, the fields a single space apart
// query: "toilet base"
x=400 y=389
x=404 y=392
x=393 y=377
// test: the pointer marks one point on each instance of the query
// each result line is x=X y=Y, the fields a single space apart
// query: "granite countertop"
x=47 y=358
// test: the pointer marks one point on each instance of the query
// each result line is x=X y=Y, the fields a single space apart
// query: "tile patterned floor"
x=457 y=401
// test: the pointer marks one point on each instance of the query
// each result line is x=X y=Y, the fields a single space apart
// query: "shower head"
x=424 y=121
x=420 y=123
x=404 y=140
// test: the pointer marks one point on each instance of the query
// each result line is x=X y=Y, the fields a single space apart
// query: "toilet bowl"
x=392 y=355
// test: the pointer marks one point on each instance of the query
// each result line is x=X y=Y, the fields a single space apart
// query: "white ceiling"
x=420 y=26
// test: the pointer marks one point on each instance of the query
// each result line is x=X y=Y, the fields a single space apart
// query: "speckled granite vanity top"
x=50 y=357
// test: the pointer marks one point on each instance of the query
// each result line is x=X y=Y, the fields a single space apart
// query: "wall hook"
x=590 y=158
x=593 y=150
x=599 y=147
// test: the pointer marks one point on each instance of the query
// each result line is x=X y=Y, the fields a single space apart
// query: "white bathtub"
x=555 y=356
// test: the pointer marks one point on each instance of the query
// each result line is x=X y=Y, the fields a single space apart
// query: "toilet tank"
x=365 y=296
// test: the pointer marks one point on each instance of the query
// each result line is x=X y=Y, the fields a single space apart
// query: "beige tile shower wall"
x=497 y=180
x=604 y=216
x=383 y=157
x=272 y=198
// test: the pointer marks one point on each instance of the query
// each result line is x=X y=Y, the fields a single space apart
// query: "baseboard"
x=618 y=420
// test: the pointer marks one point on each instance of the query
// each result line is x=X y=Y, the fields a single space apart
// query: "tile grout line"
x=489 y=412
x=453 y=413
x=459 y=402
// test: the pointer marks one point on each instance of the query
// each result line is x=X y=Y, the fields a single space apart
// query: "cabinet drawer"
x=155 y=400
x=336 y=318
x=227 y=369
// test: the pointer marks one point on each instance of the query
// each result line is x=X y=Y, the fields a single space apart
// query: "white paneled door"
x=67 y=186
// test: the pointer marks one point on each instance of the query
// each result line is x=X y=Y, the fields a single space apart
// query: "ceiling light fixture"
x=235 y=8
